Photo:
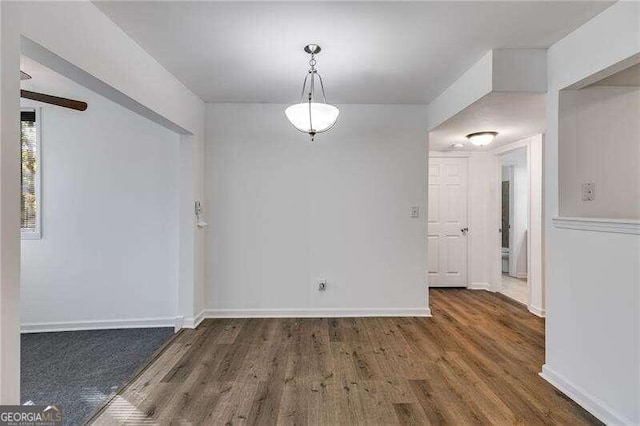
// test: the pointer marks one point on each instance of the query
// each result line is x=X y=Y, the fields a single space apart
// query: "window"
x=30 y=173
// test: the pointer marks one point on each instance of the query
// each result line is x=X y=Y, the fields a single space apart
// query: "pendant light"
x=311 y=115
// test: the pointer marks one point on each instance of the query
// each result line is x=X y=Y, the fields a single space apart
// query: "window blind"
x=28 y=201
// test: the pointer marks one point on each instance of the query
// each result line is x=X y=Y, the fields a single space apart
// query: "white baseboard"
x=178 y=323
x=194 y=322
x=593 y=405
x=181 y=322
x=479 y=286
x=316 y=313
x=522 y=275
x=97 y=325
x=536 y=311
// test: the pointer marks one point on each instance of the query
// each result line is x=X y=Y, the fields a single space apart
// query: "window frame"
x=36 y=233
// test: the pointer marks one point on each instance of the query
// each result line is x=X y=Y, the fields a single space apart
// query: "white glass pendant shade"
x=312 y=117
x=482 y=138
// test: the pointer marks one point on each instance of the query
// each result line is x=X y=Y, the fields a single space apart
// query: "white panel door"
x=447 y=222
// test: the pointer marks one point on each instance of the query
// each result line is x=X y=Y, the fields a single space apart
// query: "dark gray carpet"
x=78 y=370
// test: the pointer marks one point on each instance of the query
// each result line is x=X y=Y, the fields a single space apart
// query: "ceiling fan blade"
x=54 y=100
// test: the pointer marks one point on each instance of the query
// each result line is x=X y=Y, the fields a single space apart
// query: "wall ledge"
x=619 y=226
x=316 y=313
x=587 y=401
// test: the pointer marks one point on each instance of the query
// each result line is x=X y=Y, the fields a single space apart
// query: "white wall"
x=91 y=50
x=593 y=296
x=109 y=249
x=520 y=219
x=284 y=212
x=9 y=209
x=599 y=132
x=483 y=227
x=536 y=235
x=79 y=33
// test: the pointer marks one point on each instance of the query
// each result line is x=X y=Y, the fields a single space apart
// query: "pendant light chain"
x=312 y=71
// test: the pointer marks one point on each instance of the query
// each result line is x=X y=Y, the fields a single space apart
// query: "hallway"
x=515 y=288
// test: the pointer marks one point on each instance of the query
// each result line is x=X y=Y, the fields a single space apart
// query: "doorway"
x=448 y=224
x=514 y=228
x=89 y=324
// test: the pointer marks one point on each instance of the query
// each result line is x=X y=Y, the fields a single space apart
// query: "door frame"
x=465 y=155
x=499 y=153
x=493 y=263
x=535 y=279
x=512 y=209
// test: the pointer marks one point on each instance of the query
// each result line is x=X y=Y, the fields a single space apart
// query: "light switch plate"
x=415 y=212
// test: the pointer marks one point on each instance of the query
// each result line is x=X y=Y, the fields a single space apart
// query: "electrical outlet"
x=322 y=285
x=588 y=191
x=415 y=212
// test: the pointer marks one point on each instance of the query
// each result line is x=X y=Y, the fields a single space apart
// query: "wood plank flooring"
x=475 y=362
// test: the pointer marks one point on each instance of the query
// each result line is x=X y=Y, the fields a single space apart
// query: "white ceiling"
x=382 y=52
x=513 y=116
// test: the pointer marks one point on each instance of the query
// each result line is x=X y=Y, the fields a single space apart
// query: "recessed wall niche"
x=599 y=147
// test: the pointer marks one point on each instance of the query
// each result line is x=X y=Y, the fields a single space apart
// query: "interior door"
x=447 y=222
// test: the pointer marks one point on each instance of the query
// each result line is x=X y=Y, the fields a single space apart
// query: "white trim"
x=590 y=403
x=513 y=204
x=97 y=325
x=536 y=281
x=522 y=275
x=620 y=226
x=450 y=154
x=178 y=323
x=28 y=234
x=316 y=313
x=480 y=286
x=194 y=322
x=199 y=318
x=468 y=235
x=536 y=311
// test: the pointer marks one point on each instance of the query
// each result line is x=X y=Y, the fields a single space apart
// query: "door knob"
x=464 y=230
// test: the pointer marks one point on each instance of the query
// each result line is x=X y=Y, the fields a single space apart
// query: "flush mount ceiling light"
x=311 y=115
x=482 y=138
x=456 y=145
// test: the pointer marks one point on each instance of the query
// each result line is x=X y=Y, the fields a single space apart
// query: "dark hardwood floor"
x=475 y=362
